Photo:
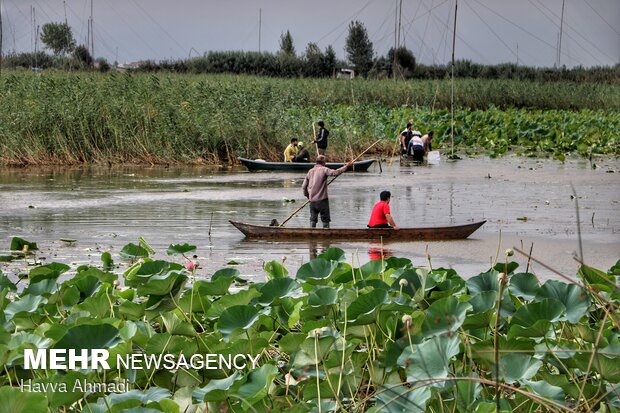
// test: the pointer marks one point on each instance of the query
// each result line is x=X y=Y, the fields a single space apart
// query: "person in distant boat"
x=321 y=138
x=381 y=217
x=404 y=138
x=291 y=151
x=315 y=189
x=302 y=155
x=415 y=149
x=428 y=141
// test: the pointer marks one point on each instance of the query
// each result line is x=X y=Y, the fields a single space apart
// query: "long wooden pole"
x=316 y=145
x=332 y=180
x=456 y=5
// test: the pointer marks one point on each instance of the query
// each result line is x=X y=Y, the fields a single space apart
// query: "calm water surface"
x=524 y=201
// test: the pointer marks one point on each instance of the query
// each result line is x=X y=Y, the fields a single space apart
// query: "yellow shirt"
x=290 y=152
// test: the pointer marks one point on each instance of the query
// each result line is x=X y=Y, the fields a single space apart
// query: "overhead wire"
x=345 y=22
x=146 y=13
x=592 y=44
x=491 y=29
x=602 y=18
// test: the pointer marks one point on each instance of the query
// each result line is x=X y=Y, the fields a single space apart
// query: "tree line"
x=398 y=63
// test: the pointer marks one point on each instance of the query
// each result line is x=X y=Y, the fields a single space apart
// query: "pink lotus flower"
x=191 y=266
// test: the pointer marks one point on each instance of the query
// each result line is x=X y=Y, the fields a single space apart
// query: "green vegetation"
x=91 y=117
x=385 y=336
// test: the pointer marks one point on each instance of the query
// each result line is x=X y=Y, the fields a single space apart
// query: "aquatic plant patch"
x=161 y=336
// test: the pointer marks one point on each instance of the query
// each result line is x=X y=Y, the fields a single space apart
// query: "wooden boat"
x=361 y=166
x=403 y=234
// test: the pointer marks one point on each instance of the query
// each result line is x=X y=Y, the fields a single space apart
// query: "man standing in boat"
x=315 y=189
x=291 y=151
x=321 y=138
x=381 y=217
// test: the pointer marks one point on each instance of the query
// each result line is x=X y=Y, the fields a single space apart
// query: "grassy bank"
x=89 y=117
x=385 y=336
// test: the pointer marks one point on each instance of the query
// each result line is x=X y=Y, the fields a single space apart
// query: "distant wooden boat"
x=403 y=234
x=257 y=165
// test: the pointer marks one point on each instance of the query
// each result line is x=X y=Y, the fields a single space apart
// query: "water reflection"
x=379 y=253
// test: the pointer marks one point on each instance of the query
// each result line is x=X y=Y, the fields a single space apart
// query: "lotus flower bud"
x=510 y=252
x=403 y=282
x=190 y=265
x=407 y=320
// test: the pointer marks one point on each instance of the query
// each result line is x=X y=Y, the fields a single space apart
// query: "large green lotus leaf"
x=607 y=367
x=52 y=270
x=237 y=317
x=213 y=287
x=597 y=279
x=290 y=343
x=401 y=399
x=242 y=297
x=375 y=267
x=278 y=288
x=132 y=251
x=175 y=326
x=18 y=244
x=13 y=400
x=539 y=329
x=226 y=273
x=548 y=309
x=257 y=384
x=275 y=269
x=26 y=304
x=506 y=268
x=316 y=270
x=322 y=296
x=6 y=283
x=572 y=296
x=413 y=281
x=216 y=390
x=397 y=263
x=178 y=249
x=524 y=285
x=342 y=274
x=44 y=287
x=483 y=301
x=157 y=267
x=103 y=276
x=546 y=390
x=333 y=254
x=313 y=350
x=446 y=314
x=152 y=394
x=430 y=359
x=161 y=284
x=515 y=367
x=362 y=309
x=89 y=336
x=487 y=281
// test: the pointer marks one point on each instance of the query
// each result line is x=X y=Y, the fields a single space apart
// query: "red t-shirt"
x=379 y=211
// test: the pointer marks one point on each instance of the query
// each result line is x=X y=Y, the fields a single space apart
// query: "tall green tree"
x=405 y=62
x=329 y=61
x=359 y=48
x=58 y=37
x=286 y=44
x=313 y=60
x=82 y=54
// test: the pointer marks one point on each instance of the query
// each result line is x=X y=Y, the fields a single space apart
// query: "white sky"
x=488 y=31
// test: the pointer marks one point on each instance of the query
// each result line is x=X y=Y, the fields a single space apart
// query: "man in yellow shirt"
x=290 y=151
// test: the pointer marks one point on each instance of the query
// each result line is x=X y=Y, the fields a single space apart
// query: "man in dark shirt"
x=404 y=138
x=321 y=138
x=315 y=189
x=303 y=155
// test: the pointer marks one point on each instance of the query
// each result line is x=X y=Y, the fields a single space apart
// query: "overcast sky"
x=488 y=31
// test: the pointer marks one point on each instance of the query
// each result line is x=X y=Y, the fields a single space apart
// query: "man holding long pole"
x=315 y=189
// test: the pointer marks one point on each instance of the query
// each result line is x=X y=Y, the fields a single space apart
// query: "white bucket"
x=433 y=157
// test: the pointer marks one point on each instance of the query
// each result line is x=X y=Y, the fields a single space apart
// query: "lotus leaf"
x=26 y=304
x=401 y=399
x=238 y=317
x=278 y=288
x=333 y=254
x=429 y=359
x=89 y=336
x=18 y=244
x=216 y=390
x=444 y=315
x=316 y=270
x=323 y=296
x=16 y=401
x=257 y=384
x=517 y=367
x=178 y=249
x=275 y=270
x=523 y=285
x=572 y=296
x=132 y=251
x=363 y=309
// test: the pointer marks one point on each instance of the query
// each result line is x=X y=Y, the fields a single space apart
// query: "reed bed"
x=71 y=118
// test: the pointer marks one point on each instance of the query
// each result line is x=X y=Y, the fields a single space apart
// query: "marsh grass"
x=71 y=118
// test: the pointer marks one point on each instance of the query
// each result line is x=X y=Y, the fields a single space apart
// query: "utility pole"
x=517 y=54
x=260 y=24
x=0 y=37
x=92 y=31
x=397 y=22
x=560 y=41
x=456 y=5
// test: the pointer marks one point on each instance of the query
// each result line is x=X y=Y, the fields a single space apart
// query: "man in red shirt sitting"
x=380 y=216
